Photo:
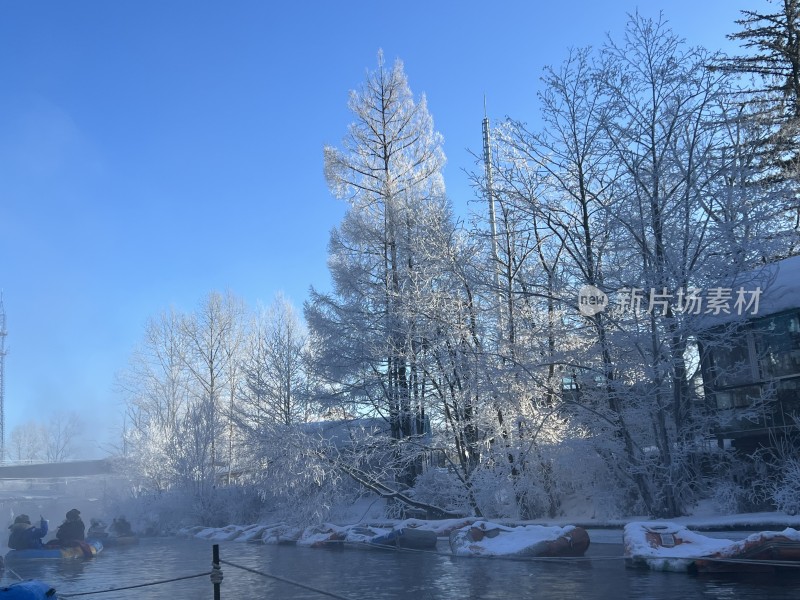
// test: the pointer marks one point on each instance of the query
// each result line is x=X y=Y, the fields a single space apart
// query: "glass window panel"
x=724 y=400
x=778 y=344
x=732 y=363
x=738 y=398
x=789 y=396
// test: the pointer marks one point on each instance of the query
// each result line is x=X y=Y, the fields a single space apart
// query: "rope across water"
x=216 y=574
x=285 y=580
x=132 y=587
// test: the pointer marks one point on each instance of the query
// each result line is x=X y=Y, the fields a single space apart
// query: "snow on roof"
x=781 y=289
x=346 y=431
x=777 y=286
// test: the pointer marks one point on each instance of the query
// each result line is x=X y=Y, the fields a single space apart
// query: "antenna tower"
x=487 y=161
x=3 y=334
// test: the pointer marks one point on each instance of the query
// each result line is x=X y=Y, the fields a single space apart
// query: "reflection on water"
x=378 y=574
x=60 y=570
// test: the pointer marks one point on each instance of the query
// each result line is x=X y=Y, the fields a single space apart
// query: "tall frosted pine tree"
x=388 y=169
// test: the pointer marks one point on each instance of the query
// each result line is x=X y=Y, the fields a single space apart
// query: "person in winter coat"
x=71 y=531
x=121 y=527
x=24 y=536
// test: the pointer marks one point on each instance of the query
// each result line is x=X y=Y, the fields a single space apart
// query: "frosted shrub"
x=494 y=493
x=785 y=491
x=532 y=497
x=587 y=486
x=742 y=482
x=727 y=496
x=500 y=494
x=441 y=488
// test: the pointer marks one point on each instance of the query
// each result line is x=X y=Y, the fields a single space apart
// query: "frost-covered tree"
x=51 y=441
x=61 y=433
x=561 y=178
x=769 y=105
x=27 y=442
x=771 y=67
x=156 y=386
x=389 y=171
x=634 y=180
x=275 y=385
x=662 y=132
x=213 y=340
x=180 y=391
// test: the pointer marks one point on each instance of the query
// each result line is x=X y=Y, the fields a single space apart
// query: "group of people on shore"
x=72 y=532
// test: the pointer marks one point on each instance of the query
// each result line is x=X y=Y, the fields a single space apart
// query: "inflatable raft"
x=401 y=537
x=120 y=540
x=32 y=589
x=87 y=549
x=671 y=547
x=407 y=537
x=492 y=539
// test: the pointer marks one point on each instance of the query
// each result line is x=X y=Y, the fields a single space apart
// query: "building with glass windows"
x=751 y=363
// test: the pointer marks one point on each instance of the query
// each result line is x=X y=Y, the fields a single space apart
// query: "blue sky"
x=154 y=151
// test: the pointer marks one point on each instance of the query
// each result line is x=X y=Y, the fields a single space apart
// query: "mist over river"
x=377 y=574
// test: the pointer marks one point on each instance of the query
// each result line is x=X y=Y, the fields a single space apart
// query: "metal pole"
x=487 y=162
x=216 y=571
x=3 y=334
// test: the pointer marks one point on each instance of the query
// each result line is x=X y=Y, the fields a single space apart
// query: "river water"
x=377 y=574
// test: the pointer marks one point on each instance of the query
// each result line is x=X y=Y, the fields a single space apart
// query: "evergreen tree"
x=775 y=39
x=771 y=91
